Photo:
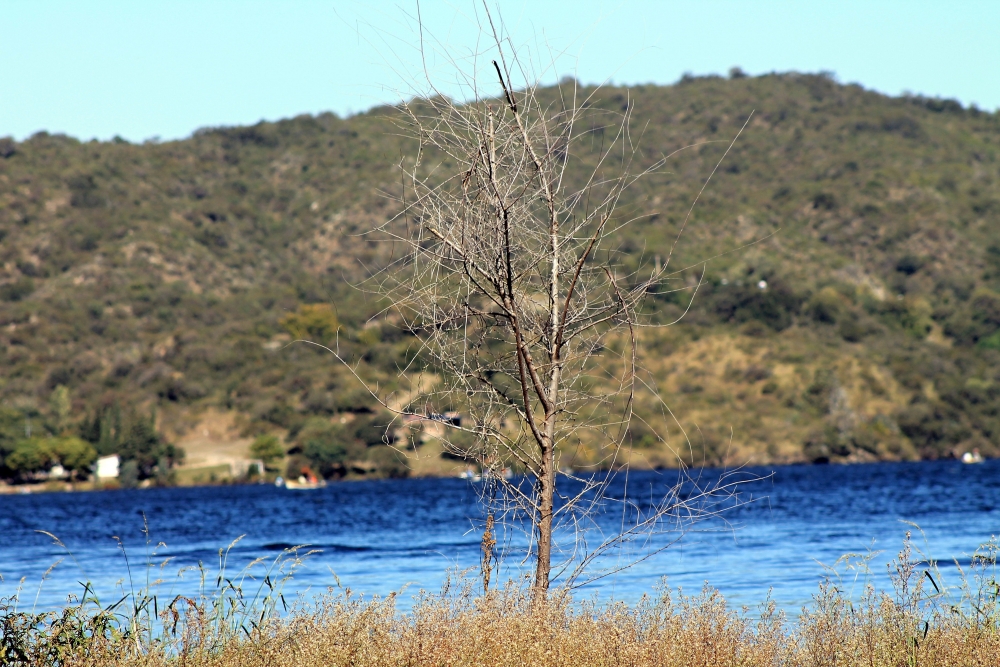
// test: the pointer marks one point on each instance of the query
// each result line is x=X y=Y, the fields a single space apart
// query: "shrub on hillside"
x=774 y=305
x=978 y=320
x=315 y=322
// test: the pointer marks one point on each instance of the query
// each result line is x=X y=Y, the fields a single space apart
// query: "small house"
x=107 y=467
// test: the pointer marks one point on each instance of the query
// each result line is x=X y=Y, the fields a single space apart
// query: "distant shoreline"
x=79 y=487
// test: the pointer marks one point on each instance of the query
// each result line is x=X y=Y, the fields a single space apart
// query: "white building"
x=107 y=467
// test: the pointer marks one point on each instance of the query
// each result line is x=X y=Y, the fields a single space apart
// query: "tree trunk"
x=546 y=495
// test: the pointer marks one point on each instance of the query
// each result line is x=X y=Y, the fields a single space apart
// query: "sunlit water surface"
x=381 y=536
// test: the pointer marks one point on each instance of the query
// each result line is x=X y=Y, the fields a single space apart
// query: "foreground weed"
x=243 y=621
x=146 y=626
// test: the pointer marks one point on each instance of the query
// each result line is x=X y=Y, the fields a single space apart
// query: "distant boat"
x=972 y=457
x=303 y=484
x=307 y=481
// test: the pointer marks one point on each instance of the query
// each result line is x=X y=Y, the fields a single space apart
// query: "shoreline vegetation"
x=268 y=478
x=246 y=619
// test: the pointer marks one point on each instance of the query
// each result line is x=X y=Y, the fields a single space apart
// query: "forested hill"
x=172 y=274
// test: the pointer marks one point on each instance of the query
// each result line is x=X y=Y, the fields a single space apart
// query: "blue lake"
x=381 y=536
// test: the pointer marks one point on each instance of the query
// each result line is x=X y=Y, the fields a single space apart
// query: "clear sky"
x=152 y=68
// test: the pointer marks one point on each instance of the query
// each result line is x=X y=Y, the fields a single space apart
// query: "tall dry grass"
x=920 y=621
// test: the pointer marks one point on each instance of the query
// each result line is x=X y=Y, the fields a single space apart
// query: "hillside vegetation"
x=163 y=281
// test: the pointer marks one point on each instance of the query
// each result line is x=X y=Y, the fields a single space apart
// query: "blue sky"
x=149 y=68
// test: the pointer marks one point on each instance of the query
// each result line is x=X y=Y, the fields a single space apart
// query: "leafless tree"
x=510 y=277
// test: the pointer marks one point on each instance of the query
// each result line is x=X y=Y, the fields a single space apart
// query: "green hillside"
x=171 y=276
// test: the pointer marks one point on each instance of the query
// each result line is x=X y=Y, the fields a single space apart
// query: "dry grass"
x=918 y=623
x=762 y=386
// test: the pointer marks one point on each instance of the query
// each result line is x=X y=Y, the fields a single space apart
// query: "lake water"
x=380 y=536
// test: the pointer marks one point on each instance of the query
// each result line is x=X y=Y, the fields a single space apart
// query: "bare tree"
x=511 y=279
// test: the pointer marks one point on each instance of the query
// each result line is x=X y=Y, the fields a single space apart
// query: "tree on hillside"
x=511 y=278
x=268 y=449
